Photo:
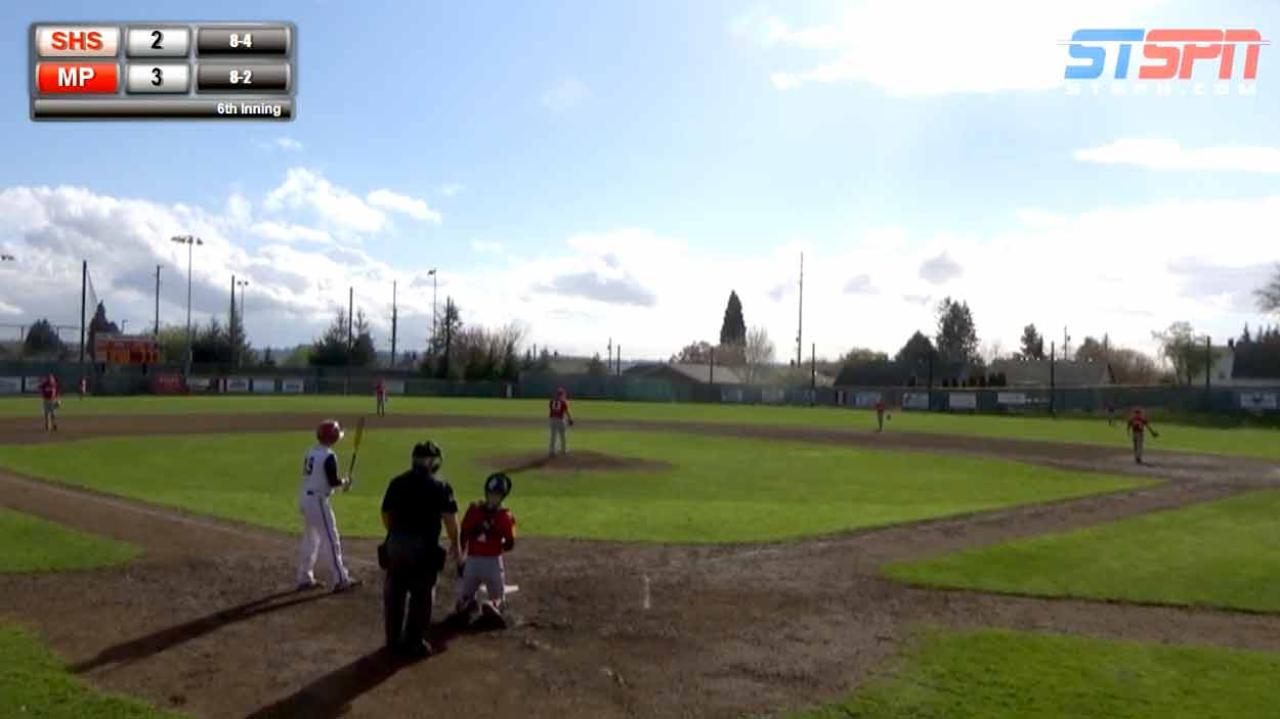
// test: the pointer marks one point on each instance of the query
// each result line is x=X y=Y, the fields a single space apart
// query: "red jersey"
x=485 y=532
x=559 y=408
x=49 y=388
x=1138 y=425
x=879 y=405
x=380 y=389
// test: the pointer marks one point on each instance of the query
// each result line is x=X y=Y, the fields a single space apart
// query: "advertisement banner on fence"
x=1259 y=401
x=167 y=384
x=915 y=400
x=235 y=384
x=773 y=395
x=264 y=385
x=866 y=400
x=199 y=384
x=963 y=401
x=1011 y=399
x=31 y=385
x=292 y=385
x=10 y=385
x=395 y=386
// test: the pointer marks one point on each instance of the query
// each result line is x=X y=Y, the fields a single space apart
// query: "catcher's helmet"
x=329 y=432
x=498 y=483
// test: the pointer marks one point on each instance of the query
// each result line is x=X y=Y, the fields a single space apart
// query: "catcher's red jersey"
x=484 y=530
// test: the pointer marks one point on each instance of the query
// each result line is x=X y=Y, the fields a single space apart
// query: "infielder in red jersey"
x=880 y=414
x=488 y=531
x=380 y=393
x=49 y=398
x=1137 y=427
x=560 y=419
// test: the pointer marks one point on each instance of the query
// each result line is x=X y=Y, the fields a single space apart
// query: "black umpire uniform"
x=413 y=509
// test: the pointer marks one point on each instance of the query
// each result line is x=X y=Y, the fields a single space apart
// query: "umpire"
x=415 y=505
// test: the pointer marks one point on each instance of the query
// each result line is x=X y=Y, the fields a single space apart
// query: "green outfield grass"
x=716 y=489
x=34 y=545
x=994 y=674
x=1243 y=441
x=34 y=683
x=1224 y=554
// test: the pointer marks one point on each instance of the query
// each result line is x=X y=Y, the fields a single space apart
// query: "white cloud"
x=979 y=46
x=449 y=189
x=290 y=233
x=303 y=189
x=565 y=94
x=940 y=269
x=411 y=206
x=1162 y=154
x=487 y=247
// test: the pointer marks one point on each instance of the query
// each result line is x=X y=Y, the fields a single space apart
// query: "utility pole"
x=433 y=306
x=800 y=322
x=619 y=360
x=1053 y=383
x=351 y=303
x=393 y=324
x=244 y=329
x=231 y=325
x=84 y=294
x=156 y=330
x=1208 y=366
x=711 y=379
x=813 y=374
x=190 y=242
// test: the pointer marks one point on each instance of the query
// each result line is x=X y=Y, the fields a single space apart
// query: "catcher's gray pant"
x=559 y=429
x=488 y=571
x=1139 y=439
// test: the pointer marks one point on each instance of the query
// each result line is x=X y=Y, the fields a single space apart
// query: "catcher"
x=1137 y=427
x=488 y=531
x=561 y=418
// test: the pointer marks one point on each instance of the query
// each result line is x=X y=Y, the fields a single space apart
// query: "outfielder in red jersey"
x=1137 y=427
x=880 y=414
x=380 y=393
x=488 y=531
x=560 y=418
x=49 y=398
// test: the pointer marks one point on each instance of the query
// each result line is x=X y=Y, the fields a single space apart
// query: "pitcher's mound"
x=581 y=461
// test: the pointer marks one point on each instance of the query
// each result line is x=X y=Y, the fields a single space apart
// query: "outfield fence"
x=18 y=378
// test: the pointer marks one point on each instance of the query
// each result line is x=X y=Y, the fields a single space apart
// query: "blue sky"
x=614 y=169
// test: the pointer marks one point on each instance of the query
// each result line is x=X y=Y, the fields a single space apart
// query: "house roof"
x=699 y=373
x=1066 y=373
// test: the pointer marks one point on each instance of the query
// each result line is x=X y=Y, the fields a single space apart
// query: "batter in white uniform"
x=319 y=530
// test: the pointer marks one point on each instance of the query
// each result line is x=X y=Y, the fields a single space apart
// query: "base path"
x=204 y=621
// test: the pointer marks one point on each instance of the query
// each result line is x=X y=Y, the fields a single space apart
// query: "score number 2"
x=240 y=77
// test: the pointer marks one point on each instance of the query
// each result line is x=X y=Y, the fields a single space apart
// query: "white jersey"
x=314 y=478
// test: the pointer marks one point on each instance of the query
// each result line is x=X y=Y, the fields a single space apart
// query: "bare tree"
x=990 y=351
x=759 y=353
x=1269 y=294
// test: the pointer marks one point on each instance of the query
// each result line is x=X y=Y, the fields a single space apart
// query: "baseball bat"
x=355 y=449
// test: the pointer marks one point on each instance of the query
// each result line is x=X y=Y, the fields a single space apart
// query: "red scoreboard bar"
x=163 y=71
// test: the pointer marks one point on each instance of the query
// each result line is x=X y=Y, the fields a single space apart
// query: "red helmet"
x=329 y=432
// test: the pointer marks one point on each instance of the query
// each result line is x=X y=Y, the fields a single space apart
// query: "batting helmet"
x=498 y=483
x=329 y=432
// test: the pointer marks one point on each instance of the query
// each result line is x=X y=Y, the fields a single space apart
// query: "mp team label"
x=181 y=71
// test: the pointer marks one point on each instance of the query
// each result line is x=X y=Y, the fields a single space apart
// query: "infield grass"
x=34 y=683
x=1224 y=553
x=1243 y=441
x=35 y=545
x=996 y=674
x=715 y=489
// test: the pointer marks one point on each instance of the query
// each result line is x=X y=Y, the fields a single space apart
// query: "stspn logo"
x=1172 y=53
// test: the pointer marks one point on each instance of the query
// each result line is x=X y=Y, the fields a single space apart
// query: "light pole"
x=433 y=306
x=190 y=242
x=244 y=333
x=156 y=328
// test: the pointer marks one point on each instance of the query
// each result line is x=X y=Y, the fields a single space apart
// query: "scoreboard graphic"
x=163 y=71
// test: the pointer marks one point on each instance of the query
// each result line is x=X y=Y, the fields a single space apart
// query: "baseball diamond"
x=754 y=561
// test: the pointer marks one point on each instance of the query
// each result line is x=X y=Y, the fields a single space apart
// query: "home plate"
x=508 y=588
